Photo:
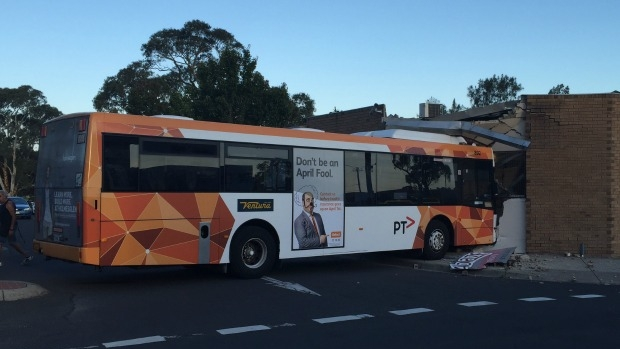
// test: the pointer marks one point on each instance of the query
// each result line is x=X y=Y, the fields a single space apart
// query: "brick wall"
x=350 y=121
x=573 y=163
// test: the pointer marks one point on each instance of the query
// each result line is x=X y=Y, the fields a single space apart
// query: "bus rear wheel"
x=436 y=240
x=252 y=253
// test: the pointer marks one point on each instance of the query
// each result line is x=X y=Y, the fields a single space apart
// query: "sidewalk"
x=13 y=290
x=535 y=267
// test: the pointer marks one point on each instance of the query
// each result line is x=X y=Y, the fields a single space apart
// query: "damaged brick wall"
x=573 y=163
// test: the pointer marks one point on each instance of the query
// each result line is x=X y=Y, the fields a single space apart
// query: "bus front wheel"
x=436 y=240
x=252 y=253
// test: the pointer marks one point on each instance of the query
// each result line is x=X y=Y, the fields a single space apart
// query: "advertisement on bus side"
x=318 y=211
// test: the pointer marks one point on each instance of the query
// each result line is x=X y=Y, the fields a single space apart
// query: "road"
x=372 y=301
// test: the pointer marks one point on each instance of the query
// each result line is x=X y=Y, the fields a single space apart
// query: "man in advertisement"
x=308 y=226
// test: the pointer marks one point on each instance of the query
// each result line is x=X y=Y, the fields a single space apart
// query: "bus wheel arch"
x=254 y=250
x=437 y=238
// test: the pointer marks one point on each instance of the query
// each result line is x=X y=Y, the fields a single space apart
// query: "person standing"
x=8 y=223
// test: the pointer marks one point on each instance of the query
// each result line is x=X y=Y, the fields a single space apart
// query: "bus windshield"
x=59 y=180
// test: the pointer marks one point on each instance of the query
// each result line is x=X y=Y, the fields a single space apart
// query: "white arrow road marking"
x=290 y=286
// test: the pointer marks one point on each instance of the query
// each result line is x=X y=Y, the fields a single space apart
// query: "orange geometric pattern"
x=473 y=226
x=154 y=228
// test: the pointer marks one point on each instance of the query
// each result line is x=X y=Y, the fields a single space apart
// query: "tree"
x=203 y=73
x=136 y=90
x=496 y=89
x=455 y=108
x=179 y=52
x=22 y=112
x=230 y=90
x=166 y=79
x=560 y=90
x=305 y=106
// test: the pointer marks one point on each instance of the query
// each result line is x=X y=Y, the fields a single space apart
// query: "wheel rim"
x=436 y=240
x=254 y=253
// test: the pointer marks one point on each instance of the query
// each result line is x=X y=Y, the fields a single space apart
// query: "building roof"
x=464 y=129
x=488 y=112
x=490 y=125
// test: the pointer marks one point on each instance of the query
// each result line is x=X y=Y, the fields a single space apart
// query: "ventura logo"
x=245 y=205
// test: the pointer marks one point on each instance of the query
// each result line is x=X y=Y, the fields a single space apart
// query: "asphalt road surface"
x=371 y=301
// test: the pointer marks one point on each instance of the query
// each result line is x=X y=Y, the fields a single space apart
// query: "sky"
x=343 y=54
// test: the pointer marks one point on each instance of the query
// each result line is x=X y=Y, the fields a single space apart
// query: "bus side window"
x=117 y=173
x=278 y=175
x=360 y=178
x=116 y=178
x=257 y=169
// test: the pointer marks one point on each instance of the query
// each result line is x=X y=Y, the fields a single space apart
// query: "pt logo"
x=402 y=225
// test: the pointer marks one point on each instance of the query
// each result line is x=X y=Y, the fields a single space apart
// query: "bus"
x=129 y=190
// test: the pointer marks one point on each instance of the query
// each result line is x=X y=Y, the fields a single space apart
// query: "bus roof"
x=397 y=141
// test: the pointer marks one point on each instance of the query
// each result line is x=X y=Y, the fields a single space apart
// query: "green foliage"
x=305 y=106
x=496 y=89
x=203 y=73
x=455 y=108
x=22 y=112
x=560 y=90
x=179 y=52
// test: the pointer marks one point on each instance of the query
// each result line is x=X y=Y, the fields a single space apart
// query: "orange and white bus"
x=124 y=190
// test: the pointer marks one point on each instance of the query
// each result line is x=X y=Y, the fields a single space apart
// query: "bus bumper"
x=67 y=253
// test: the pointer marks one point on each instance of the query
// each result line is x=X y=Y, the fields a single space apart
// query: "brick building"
x=573 y=162
x=571 y=183
x=350 y=121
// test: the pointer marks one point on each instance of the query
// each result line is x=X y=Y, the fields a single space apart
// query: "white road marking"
x=476 y=304
x=328 y=320
x=411 y=311
x=235 y=330
x=536 y=299
x=297 y=287
x=135 y=341
x=582 y=296
x=289 y=285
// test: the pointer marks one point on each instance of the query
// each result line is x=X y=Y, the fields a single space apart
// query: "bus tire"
x=252 y=253
x=436 y=240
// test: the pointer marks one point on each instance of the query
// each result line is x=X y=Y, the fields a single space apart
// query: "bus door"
x=475 y=179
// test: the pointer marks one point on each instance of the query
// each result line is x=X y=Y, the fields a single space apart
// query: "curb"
x=11 y=290
x=585 y=276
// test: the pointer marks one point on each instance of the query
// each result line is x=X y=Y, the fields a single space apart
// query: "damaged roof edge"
x=456 y=128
